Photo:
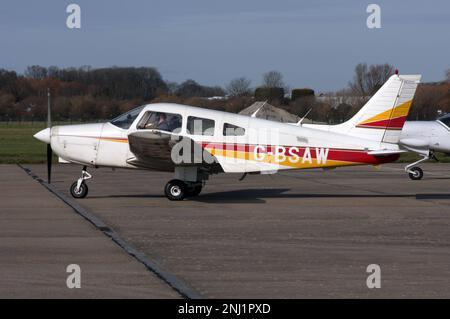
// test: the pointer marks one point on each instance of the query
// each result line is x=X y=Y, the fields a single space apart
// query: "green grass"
x=411 y=157
x=17 y=145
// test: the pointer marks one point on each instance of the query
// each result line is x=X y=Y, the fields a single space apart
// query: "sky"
x=313 y=44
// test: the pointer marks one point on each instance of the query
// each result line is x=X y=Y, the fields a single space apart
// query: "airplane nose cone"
x=43 y=136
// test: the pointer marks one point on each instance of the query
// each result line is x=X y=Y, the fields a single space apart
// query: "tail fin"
x=382 y=117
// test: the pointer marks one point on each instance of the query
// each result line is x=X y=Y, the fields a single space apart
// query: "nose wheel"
x=79 y=189
x=415 y=173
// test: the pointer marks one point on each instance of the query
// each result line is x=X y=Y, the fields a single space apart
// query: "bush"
x=269 y=93
x=298 y=93
x=190 y=88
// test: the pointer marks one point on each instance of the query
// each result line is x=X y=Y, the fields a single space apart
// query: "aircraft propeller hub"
x=43 y=136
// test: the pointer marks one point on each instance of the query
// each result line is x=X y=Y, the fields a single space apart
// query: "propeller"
x=49 y=145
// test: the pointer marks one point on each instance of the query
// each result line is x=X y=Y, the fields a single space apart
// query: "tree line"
x=85 y=93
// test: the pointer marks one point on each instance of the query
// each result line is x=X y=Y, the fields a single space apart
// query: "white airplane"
x=195 y=143
x=425 y=138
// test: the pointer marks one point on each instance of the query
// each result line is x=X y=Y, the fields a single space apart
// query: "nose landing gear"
x=79 y=189
x=415 y=172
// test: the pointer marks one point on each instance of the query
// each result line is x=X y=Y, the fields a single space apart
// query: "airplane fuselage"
x=431 y=135
x=265 y=145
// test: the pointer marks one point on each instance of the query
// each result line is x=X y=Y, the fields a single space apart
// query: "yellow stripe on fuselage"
x=112 y=139
x=272 y=159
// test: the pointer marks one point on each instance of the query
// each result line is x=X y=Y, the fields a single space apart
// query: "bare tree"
x=190 y=88
x=447 y=74
x=429 y=99
x=239 y=87
x=36 y=72
x=367 y=80
x=172 y=87
x=273 y=79
x=357 y=86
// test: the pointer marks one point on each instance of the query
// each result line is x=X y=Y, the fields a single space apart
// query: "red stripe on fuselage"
x=356 y=156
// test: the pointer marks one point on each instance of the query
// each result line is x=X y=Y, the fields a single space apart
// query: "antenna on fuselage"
x=256 y=112
x=304 y=116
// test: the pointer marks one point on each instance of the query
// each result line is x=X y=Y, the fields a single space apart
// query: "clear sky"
x=313 y=43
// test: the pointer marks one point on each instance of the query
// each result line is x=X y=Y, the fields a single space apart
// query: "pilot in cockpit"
x=156 y=121
x=162 y=122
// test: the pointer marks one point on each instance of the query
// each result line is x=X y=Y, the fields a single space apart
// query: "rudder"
x=383 y=116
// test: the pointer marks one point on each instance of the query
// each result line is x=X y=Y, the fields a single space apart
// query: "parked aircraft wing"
x=385 y=152
x=416 y=145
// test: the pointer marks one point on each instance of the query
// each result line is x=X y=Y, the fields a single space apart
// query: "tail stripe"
x=390 y=119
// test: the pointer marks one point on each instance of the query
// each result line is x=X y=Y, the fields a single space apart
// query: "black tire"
x=415 y=173
x=175 y=190
x=81 y=193
x=194 y=191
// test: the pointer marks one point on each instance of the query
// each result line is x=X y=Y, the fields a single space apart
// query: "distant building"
x=219 y=98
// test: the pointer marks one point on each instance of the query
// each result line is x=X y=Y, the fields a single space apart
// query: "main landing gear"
x=188 y=182
x=415 y=172
x=177 y=189
x=79 y=189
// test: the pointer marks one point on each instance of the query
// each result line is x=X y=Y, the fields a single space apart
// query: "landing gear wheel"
x=81 y=192
x=194 y=191
x=415 y=173
x=175 y=189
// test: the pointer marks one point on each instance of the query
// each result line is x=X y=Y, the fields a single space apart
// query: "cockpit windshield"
x=125 y=120
x=445 y=120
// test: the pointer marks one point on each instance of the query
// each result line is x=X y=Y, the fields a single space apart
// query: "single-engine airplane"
x=195 y=143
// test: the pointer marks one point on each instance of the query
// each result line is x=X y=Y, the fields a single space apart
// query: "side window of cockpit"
x=232 y=130
x=160 y=121
x=200 y=126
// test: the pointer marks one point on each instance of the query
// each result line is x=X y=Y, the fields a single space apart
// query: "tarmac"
x=40 y=236
x=299 y=234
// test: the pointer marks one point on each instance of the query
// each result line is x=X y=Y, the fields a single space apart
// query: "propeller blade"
x=49 y=146
x=49 y=113
x=49 y=163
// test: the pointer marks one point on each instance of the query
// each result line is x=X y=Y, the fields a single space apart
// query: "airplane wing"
x=159 y=150
x=386 y=152
x=416 y=145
